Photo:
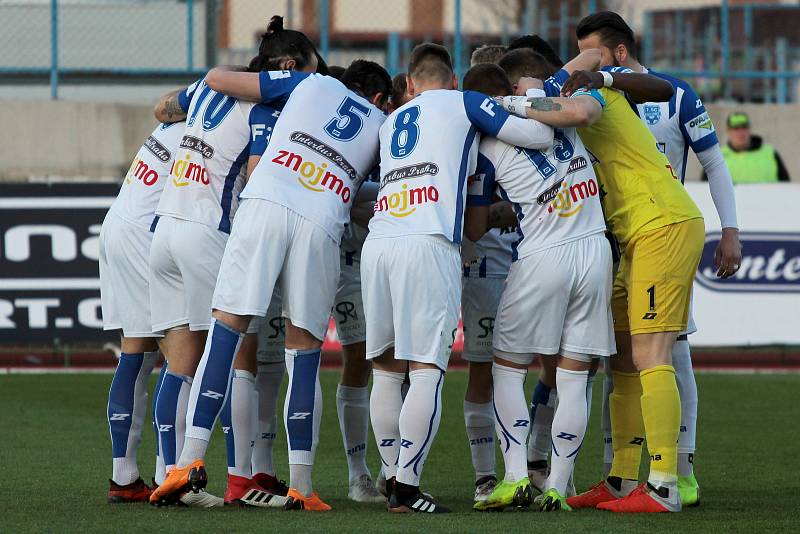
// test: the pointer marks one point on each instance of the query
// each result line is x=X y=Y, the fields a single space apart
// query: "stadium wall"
x=95 y=141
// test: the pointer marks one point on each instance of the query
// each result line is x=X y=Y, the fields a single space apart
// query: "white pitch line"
x=55 y=202
x=50 y=283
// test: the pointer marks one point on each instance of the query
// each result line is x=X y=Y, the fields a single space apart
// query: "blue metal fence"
x=138 y=39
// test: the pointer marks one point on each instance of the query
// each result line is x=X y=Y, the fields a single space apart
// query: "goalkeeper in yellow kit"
x=660 y=231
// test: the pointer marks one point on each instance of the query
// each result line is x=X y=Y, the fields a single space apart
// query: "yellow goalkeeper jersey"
x=638 y=189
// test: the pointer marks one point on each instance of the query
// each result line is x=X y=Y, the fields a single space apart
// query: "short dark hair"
x=335 y=71
x=488 y=53
x=524 y=62
x=538 y=45
x=430 y=61
x=610 y=27
x=367 y=78
x=488 y=79
x=399 y=89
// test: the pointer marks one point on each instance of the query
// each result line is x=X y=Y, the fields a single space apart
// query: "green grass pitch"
x=55 y=460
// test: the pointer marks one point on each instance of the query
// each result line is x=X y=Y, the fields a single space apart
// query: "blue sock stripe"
x=506 y=433
x=156 y=391
x=166 y=415
x=553 y=443
x=420 y=453
x=216 y=374
x=226 y=422
x=120 y=401
x=300 y=415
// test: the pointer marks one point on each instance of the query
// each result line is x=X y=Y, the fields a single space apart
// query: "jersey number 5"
x=406 y=133
x=348 y=123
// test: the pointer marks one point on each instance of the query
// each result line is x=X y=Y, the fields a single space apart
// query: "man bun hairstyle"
x=538 y=45
x=524 y=62
x=488 y=79
x=278 y=44
x=368 y=79
x=431 y=62
x=610 y=28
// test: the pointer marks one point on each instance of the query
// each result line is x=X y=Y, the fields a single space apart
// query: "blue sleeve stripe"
x=462 y=179
x=227 y=189
x=704 y=143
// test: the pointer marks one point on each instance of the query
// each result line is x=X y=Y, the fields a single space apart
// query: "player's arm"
x=501 y=215
x=583 y=108
x=269 y=87
x=589 y=59
x=480 y=194
x=491 y=119
x=639 y=86
x=173 y=106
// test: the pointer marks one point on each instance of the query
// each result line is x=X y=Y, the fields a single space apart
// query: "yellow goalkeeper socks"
x=661 y=410
x=627 y=427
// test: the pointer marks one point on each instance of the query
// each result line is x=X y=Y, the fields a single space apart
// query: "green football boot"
x=689 y=491
x=508 y=494
x=552 y=501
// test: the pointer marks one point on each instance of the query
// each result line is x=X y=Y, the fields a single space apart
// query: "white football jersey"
x=679 y=124
x=209 y=168
x=141 y=189
x=323 y=145
x=554 y=191
x=494 y=250
x=428 y=148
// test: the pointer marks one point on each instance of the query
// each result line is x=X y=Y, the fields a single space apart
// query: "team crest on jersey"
x=652 y=113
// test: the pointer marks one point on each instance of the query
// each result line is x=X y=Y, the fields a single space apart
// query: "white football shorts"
x=558 y=301
x=411 y=287
x=271 y=332
x=184 y=263
x=479 y=302
x=348 y=307
x=271 y=244
x=125 y=277
x=691 y=326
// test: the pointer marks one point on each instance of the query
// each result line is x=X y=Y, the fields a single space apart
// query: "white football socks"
x=419 y=422
x=687 y=387
x=569 y=426
x=352 y=407
x=268 y=385
x=242 y=423
x=479 y=420
x=386 y=401
x=512 y=419
x=543 y=410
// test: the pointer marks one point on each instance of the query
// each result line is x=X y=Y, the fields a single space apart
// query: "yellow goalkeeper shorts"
x=653 y=285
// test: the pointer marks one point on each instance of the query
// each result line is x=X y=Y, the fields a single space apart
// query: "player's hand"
x=728 y=256
x=526 y=83
x=514 y=105
x=582 y=79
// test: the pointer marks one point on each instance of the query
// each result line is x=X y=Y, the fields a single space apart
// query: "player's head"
x=538 y=45
x=488 y=79
x=335 y=71
x=399 y=94
x=282 y=49
x=607 y=31
x=370 y=80
x=525 y=63
x=430 y=67
x=487 y=54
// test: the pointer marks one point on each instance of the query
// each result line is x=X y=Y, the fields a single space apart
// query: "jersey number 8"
x=406 y=133
x=348 y=124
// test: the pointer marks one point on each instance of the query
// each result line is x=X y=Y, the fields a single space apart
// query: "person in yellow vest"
x=749 y=158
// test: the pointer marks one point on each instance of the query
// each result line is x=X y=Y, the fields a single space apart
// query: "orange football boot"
x=178 y=481
x=136 y=491
x=599 y=493
x=297 y=501
x=644 y=499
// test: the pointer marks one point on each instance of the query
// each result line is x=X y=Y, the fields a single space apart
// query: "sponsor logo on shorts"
x=770 y=263
x=327 y=152
x=346 y=311
x=405 y=202
x=196 y=144
x=158 y=150
x=569 y=200
x=184 y=172
x=314 y=177
x=142 y=172
x=487 y=325
x=411 y=171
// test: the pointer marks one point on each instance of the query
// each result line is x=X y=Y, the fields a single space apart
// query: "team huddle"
x=542 y=204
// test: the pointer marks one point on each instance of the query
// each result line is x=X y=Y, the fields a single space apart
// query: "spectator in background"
x=749 y=158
